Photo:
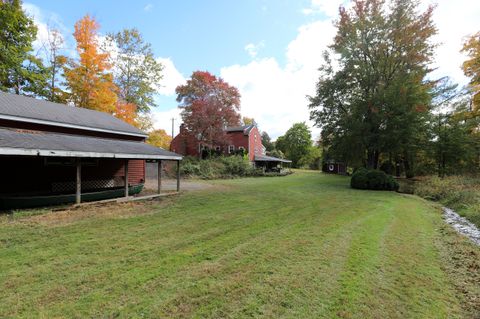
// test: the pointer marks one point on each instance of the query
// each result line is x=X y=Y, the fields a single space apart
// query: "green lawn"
x=302 y=246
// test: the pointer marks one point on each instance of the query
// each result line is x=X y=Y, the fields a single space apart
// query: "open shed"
x=270 y=163
x=53 y=154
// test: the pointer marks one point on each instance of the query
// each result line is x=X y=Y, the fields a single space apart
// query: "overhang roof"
x=36 y=143
x=264 y=158
x=26 y=109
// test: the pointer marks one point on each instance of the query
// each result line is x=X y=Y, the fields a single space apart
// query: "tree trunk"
x=372 y=159
x=408 y=164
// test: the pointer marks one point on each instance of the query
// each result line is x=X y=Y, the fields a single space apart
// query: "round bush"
x=373 y=179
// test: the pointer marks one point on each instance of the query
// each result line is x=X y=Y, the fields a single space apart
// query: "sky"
x=269 y=49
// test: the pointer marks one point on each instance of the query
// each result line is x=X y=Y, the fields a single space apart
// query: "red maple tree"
x=209 y=105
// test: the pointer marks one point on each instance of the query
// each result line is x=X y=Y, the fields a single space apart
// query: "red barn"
x=52 y=153
x=241 y=139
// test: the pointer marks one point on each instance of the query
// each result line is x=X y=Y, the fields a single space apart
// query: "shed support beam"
x=78 y=184
x=159 y=176
x=178 y=176
x=126 y=178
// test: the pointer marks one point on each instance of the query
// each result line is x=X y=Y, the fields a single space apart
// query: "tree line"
x=116 y=73
x=378 y=103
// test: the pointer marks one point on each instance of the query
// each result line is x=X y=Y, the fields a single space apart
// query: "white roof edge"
x=53 y=123
x=57 y=153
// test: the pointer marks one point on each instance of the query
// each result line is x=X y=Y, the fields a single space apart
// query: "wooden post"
x=78 y=193
x=178 y=176
x=159 y=176
x=126 y=178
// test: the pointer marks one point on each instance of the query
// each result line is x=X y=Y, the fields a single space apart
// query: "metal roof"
x=27 y=109
x=36 y=143
x=245 y=128
x=264 y=158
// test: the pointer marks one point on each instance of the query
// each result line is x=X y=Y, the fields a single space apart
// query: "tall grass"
x=461 y=193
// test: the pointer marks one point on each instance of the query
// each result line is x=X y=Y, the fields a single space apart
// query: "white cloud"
x=171 y=77
x=148 y=7
x=45 y=21
x=252 y=49
x=455 y=20
x=276 y=95
x=328 y=8
x=163 y=120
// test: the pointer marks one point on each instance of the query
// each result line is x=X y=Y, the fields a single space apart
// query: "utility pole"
x=173 y=126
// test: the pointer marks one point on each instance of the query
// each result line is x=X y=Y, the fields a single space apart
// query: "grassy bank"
x=301 y=246
x=461 y=193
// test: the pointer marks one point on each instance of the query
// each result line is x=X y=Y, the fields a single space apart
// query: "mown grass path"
x=302 y=246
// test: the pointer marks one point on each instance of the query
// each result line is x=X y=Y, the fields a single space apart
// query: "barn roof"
x=244 y=128
x=264 y=158
x=31 y=110
x=36 y=143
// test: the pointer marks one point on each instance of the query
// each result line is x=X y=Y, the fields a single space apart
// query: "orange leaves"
x=88 y=79
x=127 y=112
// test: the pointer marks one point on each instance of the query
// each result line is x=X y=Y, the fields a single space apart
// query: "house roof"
x=31 y=110
x=264 y=158
x=36 y=143
x=244 y=128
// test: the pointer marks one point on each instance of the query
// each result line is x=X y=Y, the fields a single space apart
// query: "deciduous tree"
x=20 y=71
x=471 y=67
x=90 y=83
x=378 y=99
x=209 y=104
x=159 y=138
x=136 y=72
x=56 y=64
x=296 y=143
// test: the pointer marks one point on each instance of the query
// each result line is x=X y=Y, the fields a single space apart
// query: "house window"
x=231 y=148
x=241 y=148
x=218 y=148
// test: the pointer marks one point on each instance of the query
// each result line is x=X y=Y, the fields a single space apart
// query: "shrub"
x=373 y=179
x=217 y=167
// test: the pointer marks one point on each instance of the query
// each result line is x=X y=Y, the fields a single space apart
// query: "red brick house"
x=241 y=139
x=52 y=153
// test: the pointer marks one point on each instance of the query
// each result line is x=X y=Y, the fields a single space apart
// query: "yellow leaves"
x=471 y=67
x=90 y=83
x=159 y=138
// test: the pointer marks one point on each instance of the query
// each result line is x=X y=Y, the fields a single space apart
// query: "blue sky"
x=269 y=49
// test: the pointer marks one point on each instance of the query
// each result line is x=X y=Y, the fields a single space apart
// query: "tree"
x=296 y=143
x=90 y=84
x=248 y=120
x=208 y=105
x=471 y=67
x=267 y=142
x=127 y=112
x=136 y=73
x=378 y=99
x=159 y=138
x=56 y=62
x=20 y=71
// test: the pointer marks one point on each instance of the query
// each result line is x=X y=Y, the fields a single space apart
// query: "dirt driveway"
x=171 y=185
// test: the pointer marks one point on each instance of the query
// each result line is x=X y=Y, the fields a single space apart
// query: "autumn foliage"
x=208 y=105
x=471 y=67
x=89 y=81
x=127 y=112
x=159 y=138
